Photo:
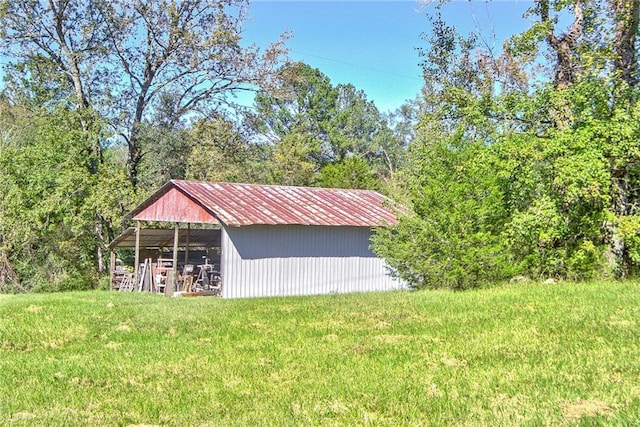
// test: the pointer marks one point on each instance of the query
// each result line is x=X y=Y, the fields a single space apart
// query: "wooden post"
x=186 y=245
x=170 y=287
x=137 y=254
x=149 y=282
x=112 y=270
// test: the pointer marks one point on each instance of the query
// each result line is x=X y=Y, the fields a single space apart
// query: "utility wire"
x=364 y=67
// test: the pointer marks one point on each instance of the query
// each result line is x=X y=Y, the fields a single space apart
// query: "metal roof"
x=239 y=205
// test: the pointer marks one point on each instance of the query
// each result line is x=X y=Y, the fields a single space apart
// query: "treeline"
x=522 y=162
x=525 y=162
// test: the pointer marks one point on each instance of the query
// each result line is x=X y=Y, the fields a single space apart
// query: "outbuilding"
x=263 y=240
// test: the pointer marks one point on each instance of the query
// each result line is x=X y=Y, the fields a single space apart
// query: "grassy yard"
x=564 y=354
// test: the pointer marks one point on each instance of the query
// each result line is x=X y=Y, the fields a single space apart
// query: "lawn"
x=563 y=354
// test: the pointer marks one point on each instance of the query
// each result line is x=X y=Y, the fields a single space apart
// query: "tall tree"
x=451 y=237
x=223 y=151
x=123 y=57
x=189 y=50
x=46 y=38
x=563 y=45
x=315 y=124
x=626 y=17
x=625 y=164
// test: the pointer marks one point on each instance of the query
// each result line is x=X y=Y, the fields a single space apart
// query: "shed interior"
x=150 y=267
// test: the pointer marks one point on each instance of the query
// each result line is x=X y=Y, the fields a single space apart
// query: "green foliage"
x=221 y=152
x=165 y=151
x=314 y=125
x=113 y=195
x=557 y=192
x=46 y=218
x=291 y=162
x=557 y=155
x=533 y=234
x=352 y=172
x=629 y=228
x=36 y=82
x=451 y=238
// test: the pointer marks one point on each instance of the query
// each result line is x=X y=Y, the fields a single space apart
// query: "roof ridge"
x=253 y=184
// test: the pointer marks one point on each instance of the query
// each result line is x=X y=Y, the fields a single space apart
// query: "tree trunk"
x=564 y=47
x=99 y=245
x=626 y=18
x=135 y=157
x=626 y=30
x=618 y=257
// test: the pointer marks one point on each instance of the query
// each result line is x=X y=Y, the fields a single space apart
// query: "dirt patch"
x=34 y=308
x=113 y=345
x=452 y=362
x=330 y=337
x=21 y=416
x=585 y=408
x=622 y=323
x=123 y=327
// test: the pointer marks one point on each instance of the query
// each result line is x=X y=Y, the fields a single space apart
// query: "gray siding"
x=284 y=260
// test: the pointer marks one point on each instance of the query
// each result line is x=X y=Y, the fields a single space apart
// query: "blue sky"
x=372 y=44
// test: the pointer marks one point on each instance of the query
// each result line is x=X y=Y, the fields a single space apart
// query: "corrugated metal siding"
x=300 y=260
x=239 y=205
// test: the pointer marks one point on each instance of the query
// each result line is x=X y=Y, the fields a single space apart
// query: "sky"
x=372 y=43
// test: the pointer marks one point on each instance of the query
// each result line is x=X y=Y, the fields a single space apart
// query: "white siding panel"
x=300 y=260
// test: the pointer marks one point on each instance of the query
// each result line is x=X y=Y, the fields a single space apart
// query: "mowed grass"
x=564 y=354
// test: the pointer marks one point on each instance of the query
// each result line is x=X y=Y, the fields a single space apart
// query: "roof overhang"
x=163 y=238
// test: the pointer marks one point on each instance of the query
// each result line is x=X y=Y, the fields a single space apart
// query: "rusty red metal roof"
x=239 y=205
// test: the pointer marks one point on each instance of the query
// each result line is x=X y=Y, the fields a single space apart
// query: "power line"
x=364 y=67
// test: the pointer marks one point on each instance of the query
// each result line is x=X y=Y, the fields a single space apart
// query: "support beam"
x=174 y=285
x=137 y=254
x=186 y=245
x=112 y=269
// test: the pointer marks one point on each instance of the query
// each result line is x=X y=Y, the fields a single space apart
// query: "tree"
x=604 y=52
x=46 y=213
x=352 y=172
x=166 y=146
x=564 y=45
x=55 y=44
x=626 y=19
x=191 y=51
x=223 y=152
x=302 y=104
x=317 y=125
x=451 y=238
x=123 y=57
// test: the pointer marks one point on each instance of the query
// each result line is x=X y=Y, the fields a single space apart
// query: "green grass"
x=566 y=354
